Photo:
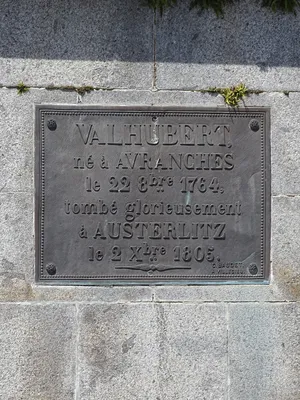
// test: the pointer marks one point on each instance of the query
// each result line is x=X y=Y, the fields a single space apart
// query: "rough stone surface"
x=17 y=135
x=192 y=344
x=76 y=43
x=264 y=351
x=38 y=347
x=104 y=295
x=113 y=47
x=251 y=45
x=16 y=238
x=153 y=352
x=221 y=293
x=117 y=352
x=286 y=245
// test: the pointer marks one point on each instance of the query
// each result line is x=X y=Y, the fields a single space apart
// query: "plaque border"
x=39 y=184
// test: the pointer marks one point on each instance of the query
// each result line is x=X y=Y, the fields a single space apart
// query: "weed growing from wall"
x=216 y=5
x=288 y=6
x=233 y=95
x=161 y=5
x=22 y=88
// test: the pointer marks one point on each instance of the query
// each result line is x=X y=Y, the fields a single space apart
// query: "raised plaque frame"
x=153 y=277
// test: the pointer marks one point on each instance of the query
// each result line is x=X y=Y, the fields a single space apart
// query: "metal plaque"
x=151 y=195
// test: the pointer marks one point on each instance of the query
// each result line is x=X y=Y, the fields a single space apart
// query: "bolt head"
x=254 y=125
x=253 y=269
x=51 y=269
x=51 y=125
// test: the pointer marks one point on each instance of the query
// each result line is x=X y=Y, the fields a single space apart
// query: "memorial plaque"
x=151 y=195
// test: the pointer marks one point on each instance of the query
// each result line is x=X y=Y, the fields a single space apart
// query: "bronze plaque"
x=152 y=195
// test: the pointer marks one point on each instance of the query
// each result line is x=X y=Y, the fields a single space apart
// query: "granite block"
x=192 y=341
x=16 y=238
x=118 y=352
x=153 y=352
x=286 y=245
x=95 y=43
x=197 y=50
x=17 y=135
x=38 y=347
x=264 y=351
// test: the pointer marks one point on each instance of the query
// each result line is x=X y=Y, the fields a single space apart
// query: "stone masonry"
x=214 y=342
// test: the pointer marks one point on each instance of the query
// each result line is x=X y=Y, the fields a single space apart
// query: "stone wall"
x=234 y=342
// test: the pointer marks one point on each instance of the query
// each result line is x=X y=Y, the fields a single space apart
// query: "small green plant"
x=160 y=5
x=216 y=5
x=22 y=88
x=82 y=90
x=232 y=95
x=287 y=6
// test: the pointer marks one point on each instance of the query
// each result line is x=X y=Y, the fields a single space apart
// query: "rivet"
x=51 y=125
x=254 y=125
x=51 y=269
x=253 y=269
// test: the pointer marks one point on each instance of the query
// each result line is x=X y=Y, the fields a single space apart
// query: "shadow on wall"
x=124 y=31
